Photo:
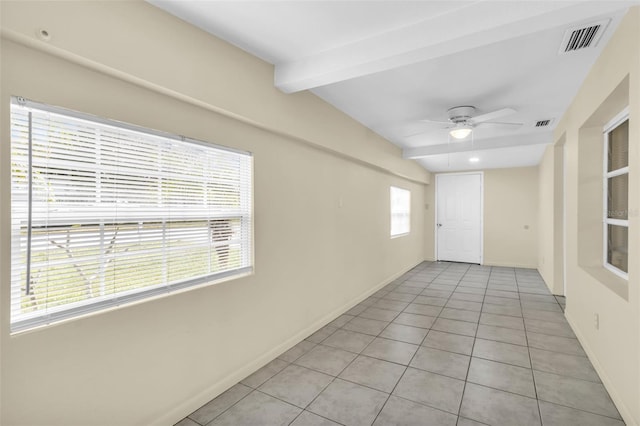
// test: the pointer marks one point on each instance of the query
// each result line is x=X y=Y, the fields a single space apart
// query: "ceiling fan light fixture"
x=460 y=131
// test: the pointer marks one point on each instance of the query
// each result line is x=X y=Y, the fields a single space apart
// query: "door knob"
x=439 y=225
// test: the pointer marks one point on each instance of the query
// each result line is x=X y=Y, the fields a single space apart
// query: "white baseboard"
x=502 y=264
x=178 y=412
x=511 y=265
x=545 y=281
x=606 y=381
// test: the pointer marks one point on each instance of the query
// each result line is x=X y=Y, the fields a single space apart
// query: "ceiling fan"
x=462 y=120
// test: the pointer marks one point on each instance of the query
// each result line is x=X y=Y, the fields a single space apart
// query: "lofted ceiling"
x=392 y=64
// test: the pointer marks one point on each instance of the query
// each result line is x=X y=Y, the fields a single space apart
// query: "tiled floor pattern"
x=445 y=344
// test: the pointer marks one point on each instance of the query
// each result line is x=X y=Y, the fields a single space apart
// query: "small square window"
x=617 y=246
x=618 y=149
x=400 y=211
x=617 y=197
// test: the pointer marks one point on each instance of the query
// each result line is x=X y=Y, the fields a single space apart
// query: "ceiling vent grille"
x=583 y=37
x=543 y=123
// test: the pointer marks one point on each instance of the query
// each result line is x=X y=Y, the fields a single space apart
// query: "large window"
x=103 y=213
x=616 y=194
x=400 y=211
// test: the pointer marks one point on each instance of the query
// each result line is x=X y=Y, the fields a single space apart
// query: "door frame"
x=435 y=222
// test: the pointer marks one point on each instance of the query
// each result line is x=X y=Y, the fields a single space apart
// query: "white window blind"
x=104 y=213
x=400 y=211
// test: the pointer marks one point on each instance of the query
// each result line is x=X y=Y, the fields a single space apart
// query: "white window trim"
x=31 y=320
x=392 y=215
x=611 y=125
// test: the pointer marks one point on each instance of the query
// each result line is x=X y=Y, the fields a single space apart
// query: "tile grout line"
x=533 y=376
x=226 y=409
x=443 y=287
x=341 y=371
x=405 y=369
x=473 y=347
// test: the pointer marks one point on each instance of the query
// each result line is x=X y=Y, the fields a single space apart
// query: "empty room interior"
x=320 y=213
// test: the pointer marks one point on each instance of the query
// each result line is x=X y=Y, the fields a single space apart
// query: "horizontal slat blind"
x=104 y=212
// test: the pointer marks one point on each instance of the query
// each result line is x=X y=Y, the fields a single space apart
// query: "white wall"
x=511 y=217
x=612 y=83
x=321 y=215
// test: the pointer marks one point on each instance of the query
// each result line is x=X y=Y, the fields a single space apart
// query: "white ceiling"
x=391 y=63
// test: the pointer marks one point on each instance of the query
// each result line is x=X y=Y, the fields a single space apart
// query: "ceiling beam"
x=478 y=145
x=474 y=25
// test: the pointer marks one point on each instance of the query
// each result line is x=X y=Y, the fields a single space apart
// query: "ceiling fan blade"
x=492 y=115
x=434 y=121
x=413 y=134
x=499 y=123
x=428 y=131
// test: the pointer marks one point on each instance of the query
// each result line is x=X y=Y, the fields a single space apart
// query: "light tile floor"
x=445 y=344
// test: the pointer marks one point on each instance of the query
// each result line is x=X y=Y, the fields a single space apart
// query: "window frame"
x=404 y=212
x=613 y=124
x=23 y=321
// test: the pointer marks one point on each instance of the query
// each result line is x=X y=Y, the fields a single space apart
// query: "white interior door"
x=459 y=217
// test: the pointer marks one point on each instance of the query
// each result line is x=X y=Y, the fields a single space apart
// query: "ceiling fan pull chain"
x=448 y=150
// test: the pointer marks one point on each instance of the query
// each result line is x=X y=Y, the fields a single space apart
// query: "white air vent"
x=583 y=37
x=543 y=123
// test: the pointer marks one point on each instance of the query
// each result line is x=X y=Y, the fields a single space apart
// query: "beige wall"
x=613 y=83
x=321 y=216
x=510 y=204
x=551 y=217
x=545 y=217
x=511 y=217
